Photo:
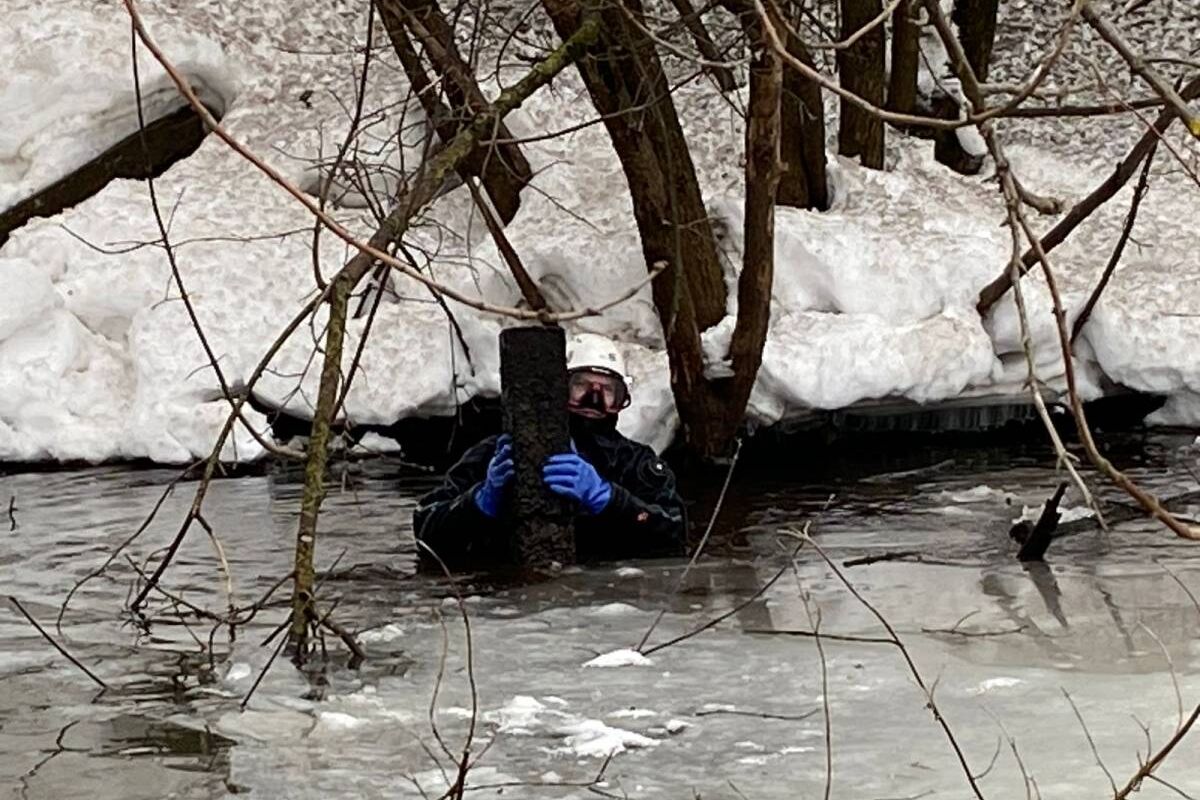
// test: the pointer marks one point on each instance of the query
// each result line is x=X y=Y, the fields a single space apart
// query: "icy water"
x=735 y=712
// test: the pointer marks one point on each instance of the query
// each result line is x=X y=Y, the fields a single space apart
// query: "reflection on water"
x=1103 y=619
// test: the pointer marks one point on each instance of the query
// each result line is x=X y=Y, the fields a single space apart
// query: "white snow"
x=630 y=572
x=614 y=610
x=620 y=658
x=675 y=726
x=1066 y=513
x=873 y=300
x=976 y=494
x=237 y=672
x=583 y=738
x=338 y=721
x=386 y=633
x=992 y=684
x=633 y=713
x=591 y=738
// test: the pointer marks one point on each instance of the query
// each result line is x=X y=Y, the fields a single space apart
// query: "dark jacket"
x=644 y=518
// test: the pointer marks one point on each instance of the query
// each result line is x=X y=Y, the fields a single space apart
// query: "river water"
x=740 y=710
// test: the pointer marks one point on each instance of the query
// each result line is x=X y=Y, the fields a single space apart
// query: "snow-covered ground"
x=873 y=299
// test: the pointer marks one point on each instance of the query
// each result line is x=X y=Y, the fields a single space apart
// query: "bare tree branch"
x=1161 y=86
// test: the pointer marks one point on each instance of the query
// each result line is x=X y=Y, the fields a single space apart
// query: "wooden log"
x=533 y=381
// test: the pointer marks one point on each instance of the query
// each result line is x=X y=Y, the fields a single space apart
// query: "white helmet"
x=591 y=350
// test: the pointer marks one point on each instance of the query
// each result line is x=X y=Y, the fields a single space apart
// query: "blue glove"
x=490 y=496
x=571 y=476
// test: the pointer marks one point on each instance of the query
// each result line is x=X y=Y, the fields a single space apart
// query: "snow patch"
x=387 y=633
x=1066 y=514
x=614 y=610
x=591 y=738
x=620 y=658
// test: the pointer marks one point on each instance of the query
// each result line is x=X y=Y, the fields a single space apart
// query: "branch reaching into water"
x=804 y=539
x=17 y=604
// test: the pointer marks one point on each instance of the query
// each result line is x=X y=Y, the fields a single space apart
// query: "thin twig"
x=803 y=538
x=1138 y=65
x=734 y=712
x=1130 y=218
x=712 y=519
x=56 y=645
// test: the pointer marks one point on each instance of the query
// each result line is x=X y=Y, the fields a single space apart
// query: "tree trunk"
x=763 y=124
x=395 y=225
x=861 y=69
x=502 y=168
x=314 y=470
x=803 y=183
x=705 y=45
x=625 y=80
x=976 y=21
x=906 y=58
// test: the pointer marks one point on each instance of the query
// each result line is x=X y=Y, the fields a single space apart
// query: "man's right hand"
x=490 y=496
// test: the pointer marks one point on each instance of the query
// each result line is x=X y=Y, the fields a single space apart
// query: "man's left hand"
x=569 y=475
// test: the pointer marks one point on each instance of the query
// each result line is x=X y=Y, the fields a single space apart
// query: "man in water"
x=625 y=496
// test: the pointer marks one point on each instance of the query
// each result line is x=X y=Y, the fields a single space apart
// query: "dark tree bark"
x=861 y=70
x=533 y=385
x=705 y=45
x=803 y=183
x=763 y=136
x=625 y=80
x=503 y=169
x=976 y=21
x=906 y=58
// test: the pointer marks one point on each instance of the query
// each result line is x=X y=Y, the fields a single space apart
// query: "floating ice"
x=630 y=572
x=387 y=633
x=633 y=713
x=336 y=720
x=614 y=610
x=620 y=658
x=238 y=672
x=592 y=738
x=1066 y=514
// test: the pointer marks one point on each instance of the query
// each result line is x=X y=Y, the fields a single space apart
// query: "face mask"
x=595 y=394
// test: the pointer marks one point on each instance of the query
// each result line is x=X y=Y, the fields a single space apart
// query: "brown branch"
x=709 y=712
x=325 y=621
x=1139 y=66
x=705 y=45
x=721 y=618
x=1120 y=175
x=1099 y=110
x=56 y=645
x=529 y=289
x=1017 y=218
x=1130 y=218
x=351 y=134
x=898 y=555
x=430 y=179
x=804 y=538
x=1153 y=763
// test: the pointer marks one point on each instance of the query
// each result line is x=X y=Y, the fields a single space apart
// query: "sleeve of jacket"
x=447 y=519
x=646 y=508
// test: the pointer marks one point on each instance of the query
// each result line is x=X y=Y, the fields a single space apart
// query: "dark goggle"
x=589 y=389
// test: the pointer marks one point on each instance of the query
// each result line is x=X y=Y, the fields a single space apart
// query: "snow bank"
x=67 y=90
x=873 y=299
